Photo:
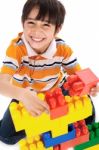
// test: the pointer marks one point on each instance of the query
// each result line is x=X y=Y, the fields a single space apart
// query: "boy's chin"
x=38 y=51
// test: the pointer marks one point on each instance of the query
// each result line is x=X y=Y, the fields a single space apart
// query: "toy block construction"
x=78 y=108
x=65 y=126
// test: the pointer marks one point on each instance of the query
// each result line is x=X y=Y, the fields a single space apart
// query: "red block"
x=81 y=128
x=88 y=78
x=72 y=78
x=57 y=103
x=78 y=86
x=57 y=147
x=81 y=83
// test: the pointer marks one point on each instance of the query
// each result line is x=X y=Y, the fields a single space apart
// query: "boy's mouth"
x=37 y=39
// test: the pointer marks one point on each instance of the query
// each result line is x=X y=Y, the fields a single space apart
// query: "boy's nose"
x=38 y=29
x=37 y=32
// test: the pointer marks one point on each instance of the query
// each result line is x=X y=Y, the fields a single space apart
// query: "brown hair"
x=53 y=8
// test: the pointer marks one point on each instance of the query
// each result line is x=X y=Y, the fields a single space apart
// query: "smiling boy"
x=35 y=61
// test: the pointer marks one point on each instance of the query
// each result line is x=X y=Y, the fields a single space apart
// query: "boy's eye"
x=30 y=22
x=46 y=24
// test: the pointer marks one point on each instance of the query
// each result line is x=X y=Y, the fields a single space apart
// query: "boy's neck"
x=48 y=53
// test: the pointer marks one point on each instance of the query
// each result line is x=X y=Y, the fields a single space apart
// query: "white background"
x=80 y=31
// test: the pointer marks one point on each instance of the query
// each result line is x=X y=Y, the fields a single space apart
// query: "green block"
x=87 y=144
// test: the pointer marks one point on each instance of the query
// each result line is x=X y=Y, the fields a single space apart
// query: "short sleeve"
x=12 y=60
x=70 y=62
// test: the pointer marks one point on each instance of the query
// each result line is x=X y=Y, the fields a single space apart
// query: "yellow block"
x=79 y=109
x=96 y=147
x=16 y=113
x=33 y=144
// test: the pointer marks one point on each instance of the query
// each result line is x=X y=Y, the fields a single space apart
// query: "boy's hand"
x=33 y=104
x=94 y=90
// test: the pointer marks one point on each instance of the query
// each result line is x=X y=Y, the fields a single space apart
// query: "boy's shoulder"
x=17 y=41
x=60 y=41
x=62 y=45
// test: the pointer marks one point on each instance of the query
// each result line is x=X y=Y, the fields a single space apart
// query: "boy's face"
x=38 y=34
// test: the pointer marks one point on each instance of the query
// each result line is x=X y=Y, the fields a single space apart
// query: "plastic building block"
x=81 y=82
x=16 y=111
x=81 y=128
x=57 y=103
x=82 y=135
x=33 y=144
x=49 y=141
x=57 y=147
x=74 y=85
x=79 y=108
x=96 y=147
x=74 y=142
x=93 y=137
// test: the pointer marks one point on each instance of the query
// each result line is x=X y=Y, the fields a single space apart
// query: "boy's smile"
x=39 y=34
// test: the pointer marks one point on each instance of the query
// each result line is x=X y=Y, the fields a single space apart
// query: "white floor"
x=5 y=103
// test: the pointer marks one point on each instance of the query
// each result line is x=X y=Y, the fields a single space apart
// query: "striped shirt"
x=39 y=72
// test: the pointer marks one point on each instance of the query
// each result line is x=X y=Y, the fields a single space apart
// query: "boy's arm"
x=31 y=102
x=73 y=69
x=7 y=89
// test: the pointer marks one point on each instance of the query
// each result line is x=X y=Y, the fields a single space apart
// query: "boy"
x=34 y=62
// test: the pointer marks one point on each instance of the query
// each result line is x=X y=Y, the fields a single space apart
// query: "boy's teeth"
x=38 y=40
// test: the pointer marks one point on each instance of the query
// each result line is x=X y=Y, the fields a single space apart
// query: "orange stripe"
x=7 y=70
x=45 y=73
x=72 y=70
x=38 y=86
x=23 y=85
x=64 y=51
x=37 y=73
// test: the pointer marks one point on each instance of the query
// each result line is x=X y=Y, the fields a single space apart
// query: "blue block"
x=49 y=141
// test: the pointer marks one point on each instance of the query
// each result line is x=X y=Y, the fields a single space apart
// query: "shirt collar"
x=49 y=52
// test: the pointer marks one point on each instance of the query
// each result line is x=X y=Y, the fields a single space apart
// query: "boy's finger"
x=36 y=112
x=44 y=104
x=33 y=114
x=46 y=111
x=93 y=93
x=97 y=87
